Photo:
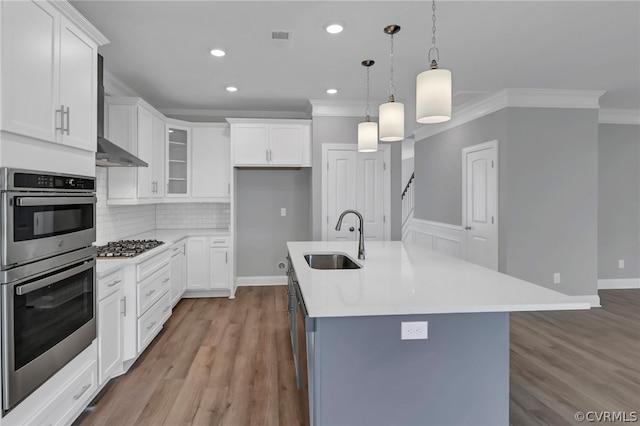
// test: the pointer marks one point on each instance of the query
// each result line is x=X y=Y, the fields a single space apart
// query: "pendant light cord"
x=367 y=112
x=433 y=29
x=392 y=88
x=433 y=62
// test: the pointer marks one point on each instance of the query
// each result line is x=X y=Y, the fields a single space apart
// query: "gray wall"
x=548 y=186
x=345 y=130
x=261 y=232
x=619 y=201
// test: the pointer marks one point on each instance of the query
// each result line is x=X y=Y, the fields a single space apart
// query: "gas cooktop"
x=127 y=248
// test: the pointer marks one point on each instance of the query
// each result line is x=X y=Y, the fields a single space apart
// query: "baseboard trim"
x=594 y=300
x=618 y=284
x=261 y=281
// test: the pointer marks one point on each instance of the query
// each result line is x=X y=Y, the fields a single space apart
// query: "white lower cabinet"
x=110 y=326
x=208 y=264
x=61 y=399
x=178 y=270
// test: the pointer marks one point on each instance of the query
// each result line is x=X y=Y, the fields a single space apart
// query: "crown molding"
x=513 y=98
x=116 y=87
x=237 y=119
x=619 y=116
x=338 y=108
x=76 y=17
x=224 y=113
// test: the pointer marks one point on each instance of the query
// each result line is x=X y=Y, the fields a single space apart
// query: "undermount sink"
x=330 y=261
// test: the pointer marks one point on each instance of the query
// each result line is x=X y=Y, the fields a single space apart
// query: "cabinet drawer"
x=150 y=324
x=109 y=284
x=148 y=267
x=153 y=288
x=219 y=242
x=73 y=397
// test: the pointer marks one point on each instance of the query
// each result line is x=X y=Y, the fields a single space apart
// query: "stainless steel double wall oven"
x=47 y=276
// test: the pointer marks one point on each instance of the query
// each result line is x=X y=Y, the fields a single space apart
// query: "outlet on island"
x=414 y=330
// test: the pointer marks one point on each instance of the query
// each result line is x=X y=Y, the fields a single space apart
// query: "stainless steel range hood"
x=109 y=154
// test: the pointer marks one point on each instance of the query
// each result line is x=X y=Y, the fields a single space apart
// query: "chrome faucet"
x=361 y=230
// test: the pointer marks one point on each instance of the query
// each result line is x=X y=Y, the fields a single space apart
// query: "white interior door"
x=480 y=204
x=370 y=193
x=341 y=194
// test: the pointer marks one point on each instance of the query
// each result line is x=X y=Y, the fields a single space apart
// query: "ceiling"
x=161 y=50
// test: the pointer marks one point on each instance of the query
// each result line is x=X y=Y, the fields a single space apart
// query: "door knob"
x=351 y=229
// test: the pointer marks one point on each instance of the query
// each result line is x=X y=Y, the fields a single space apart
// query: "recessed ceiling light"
x=334 y=28
x=332 y=91
x=217 y=52
x=232 y=89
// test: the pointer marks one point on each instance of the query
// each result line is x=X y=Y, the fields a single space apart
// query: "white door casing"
x=480 y=203
x=354 y=180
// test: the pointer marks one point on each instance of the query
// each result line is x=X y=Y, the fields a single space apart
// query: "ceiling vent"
x=280 y=35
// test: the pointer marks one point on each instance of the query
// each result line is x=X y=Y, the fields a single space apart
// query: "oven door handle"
x=40 y=283
x=53 y=201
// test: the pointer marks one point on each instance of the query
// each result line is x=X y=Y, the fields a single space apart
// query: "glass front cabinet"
x=178 y=161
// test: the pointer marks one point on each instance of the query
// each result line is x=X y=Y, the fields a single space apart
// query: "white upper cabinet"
x=139 y=129
x=275 y=143
x=210 y=162
x=49 y=74
x=178 y=160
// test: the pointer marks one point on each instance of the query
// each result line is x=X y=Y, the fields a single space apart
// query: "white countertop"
x=399 y=279
x=107 y=265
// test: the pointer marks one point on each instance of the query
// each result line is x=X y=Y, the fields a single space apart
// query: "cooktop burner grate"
x=127 y=248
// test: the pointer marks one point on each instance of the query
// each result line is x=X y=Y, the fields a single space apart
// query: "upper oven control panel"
x=25 y=180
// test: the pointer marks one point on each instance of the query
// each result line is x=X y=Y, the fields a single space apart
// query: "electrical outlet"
x=556 y=277
x=621 y=263
x=283 y=212
x=414 y=330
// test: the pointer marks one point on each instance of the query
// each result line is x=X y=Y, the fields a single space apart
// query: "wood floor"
x=228 y=362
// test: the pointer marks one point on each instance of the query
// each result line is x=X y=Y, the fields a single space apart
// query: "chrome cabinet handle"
x=82 y=391
x=166 y=309
x=68 y=120
x=166 y=280
x=61 y=111
x=351 y=229
x=124 y=306
x=226 y=257
x=267 y=154
x=151 y=325
x=151 y=292
x=113 y=283
x=467 y=227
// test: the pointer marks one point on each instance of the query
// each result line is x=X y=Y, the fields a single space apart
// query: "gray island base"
x=346 y=335
x=361 y=373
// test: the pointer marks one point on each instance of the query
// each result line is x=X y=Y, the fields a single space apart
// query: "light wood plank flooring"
x=228 y=362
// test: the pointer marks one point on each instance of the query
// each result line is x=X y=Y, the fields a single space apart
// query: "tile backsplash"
x=192 y=215
x=118 y=222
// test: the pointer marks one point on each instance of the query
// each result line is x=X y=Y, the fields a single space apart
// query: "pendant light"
x=367 y=130
x=433 y=87
x=391 y=114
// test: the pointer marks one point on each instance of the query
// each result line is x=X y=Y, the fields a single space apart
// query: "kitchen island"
x=360 y=372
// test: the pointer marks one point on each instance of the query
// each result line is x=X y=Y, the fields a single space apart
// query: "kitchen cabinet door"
x=78 y=87
x=210 y=169
x=251 y=144
x=110 y=335
x=178 y=272
x=30 y=69
x=145 y=153
x=198 y=263
x=219 y=261
x=178 y=165
x=285 y=144
x=157 y=157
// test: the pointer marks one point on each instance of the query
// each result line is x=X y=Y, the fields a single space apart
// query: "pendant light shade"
x=433 y=96
x=433 y=87
x=367 y=136
x=367 y=130
x=391 y=114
